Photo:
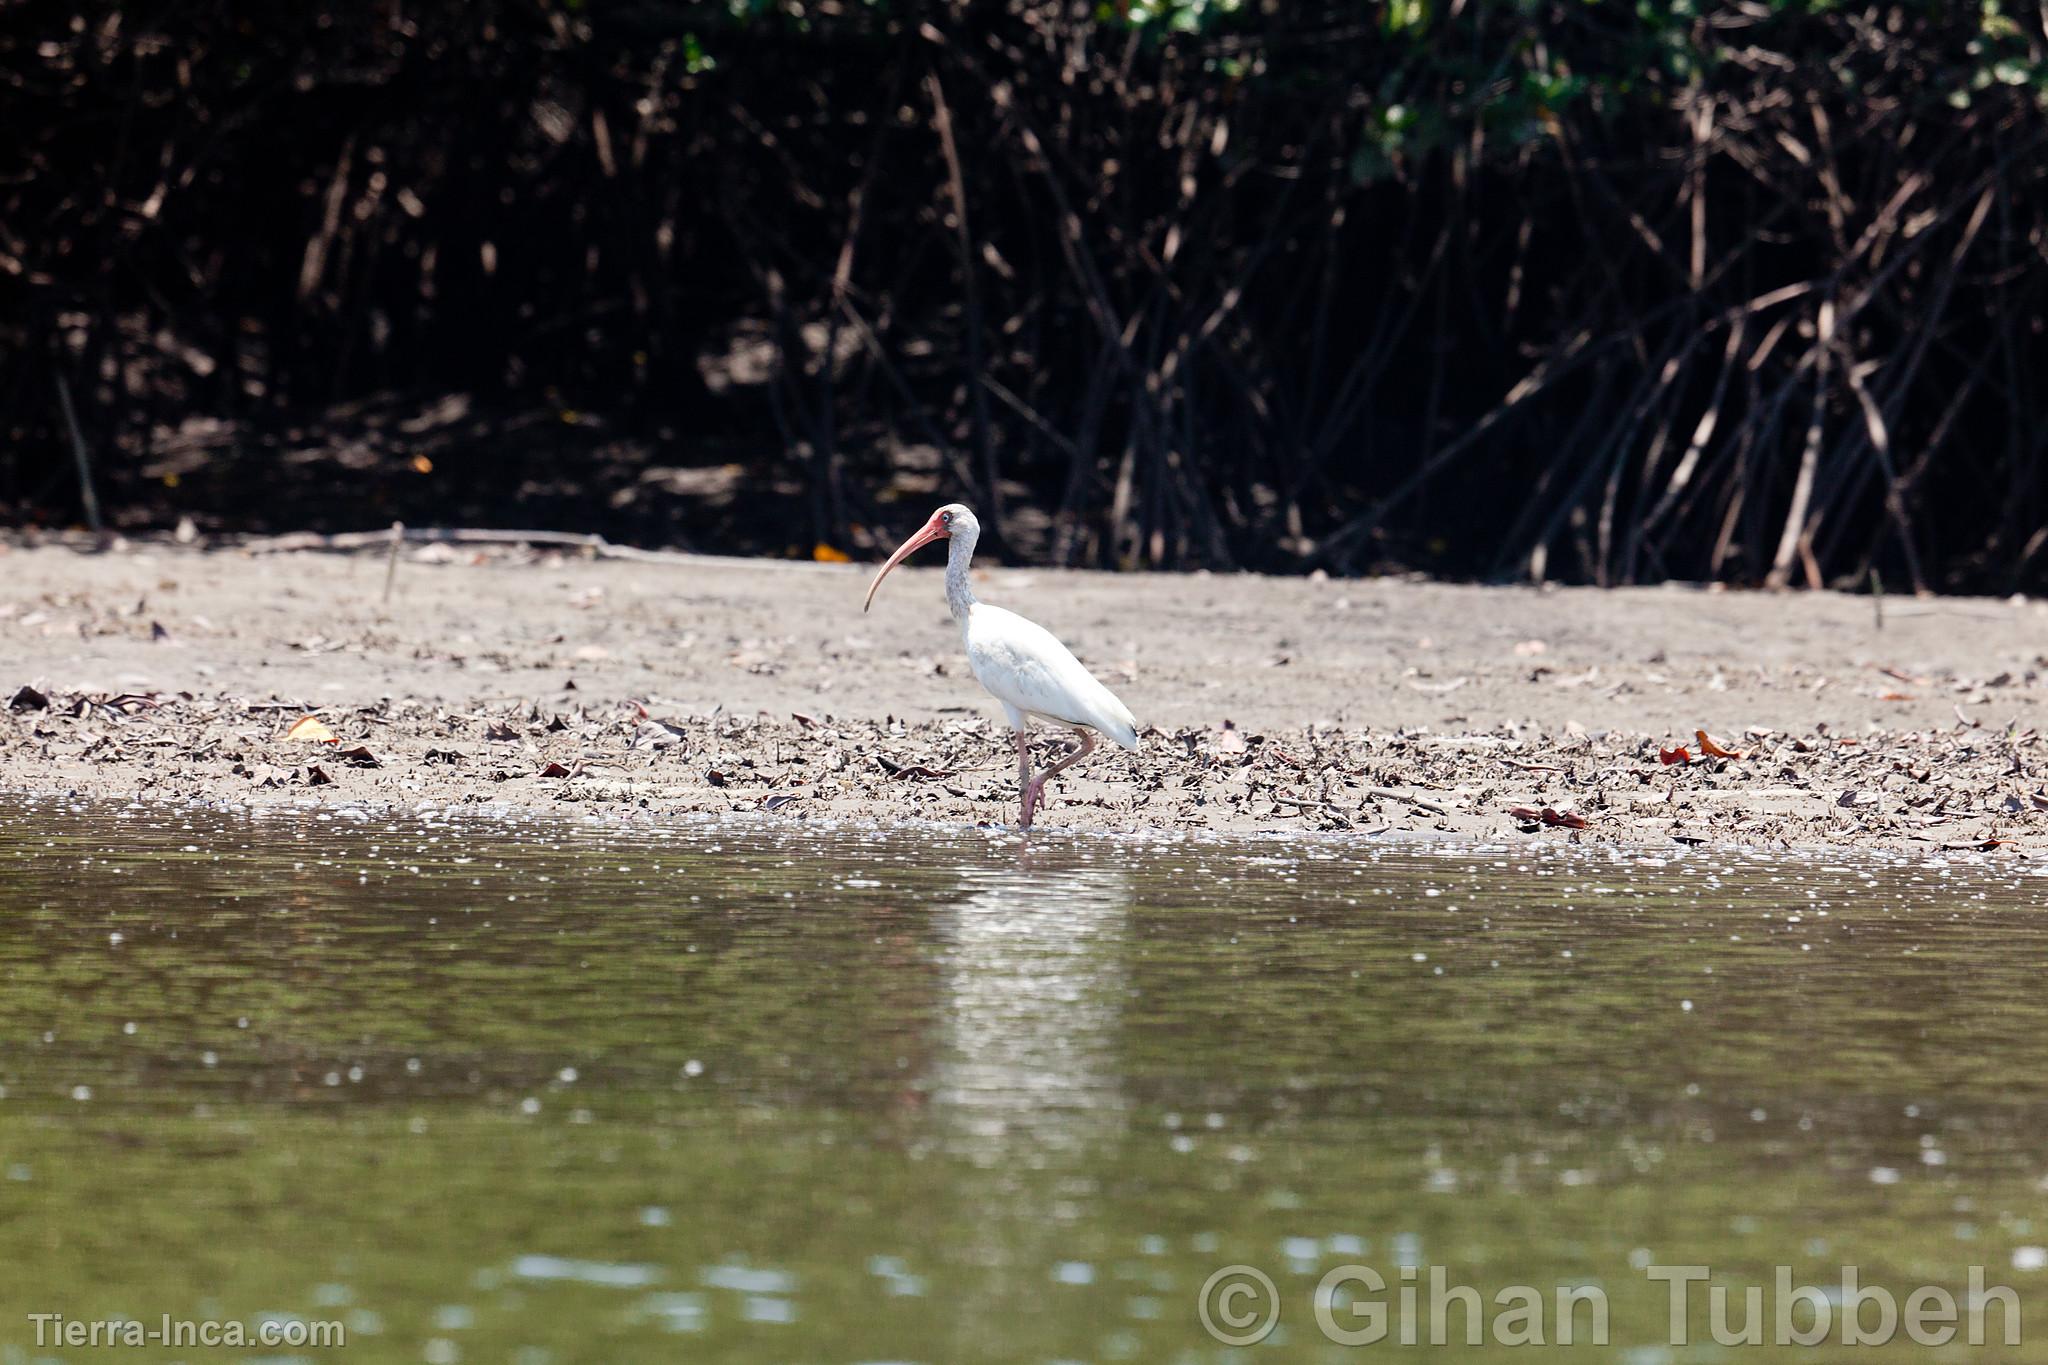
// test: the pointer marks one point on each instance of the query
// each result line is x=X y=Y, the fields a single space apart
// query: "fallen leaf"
x=1564 y=819
x=311 y=730
x=316 y=776
x=28 y=699
x=554 y=770
x=656 y=734
x=1670 y=756
x=826 y=554
x=780 y=799
x=500 y=731
x=1712 y=749
x=359 y=757
x=917 y=770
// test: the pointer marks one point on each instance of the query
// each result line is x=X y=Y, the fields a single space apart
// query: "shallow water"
x=547 y=1093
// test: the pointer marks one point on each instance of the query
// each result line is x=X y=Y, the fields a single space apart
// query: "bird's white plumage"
x=1020 y=662
x=1027 y=669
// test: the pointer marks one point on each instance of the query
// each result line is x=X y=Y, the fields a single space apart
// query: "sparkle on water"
x=548 y=1093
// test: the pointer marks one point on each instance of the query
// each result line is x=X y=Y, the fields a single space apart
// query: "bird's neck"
x=959 y=595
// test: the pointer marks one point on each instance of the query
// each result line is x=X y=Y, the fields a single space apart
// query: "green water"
x=546 y=1093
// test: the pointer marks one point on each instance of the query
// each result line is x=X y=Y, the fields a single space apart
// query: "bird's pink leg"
x=1036 y=786
x=1024 y=788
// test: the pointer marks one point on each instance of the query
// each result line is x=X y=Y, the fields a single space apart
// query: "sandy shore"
x=538 y=679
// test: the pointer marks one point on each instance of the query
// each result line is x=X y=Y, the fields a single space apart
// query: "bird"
x=1021 y=663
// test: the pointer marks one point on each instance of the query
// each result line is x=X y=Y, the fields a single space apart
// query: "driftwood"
x=347 y=542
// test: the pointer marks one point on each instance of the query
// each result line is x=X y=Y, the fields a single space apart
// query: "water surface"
x=549 y=1093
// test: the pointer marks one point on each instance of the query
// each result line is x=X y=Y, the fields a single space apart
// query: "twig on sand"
x=295 y=541
x=1319 y=806
x=1389 y=794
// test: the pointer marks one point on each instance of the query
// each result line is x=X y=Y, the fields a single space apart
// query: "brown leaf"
x=28 y=699
x=1670 y=756
x=554 y=770
x=316 y=776
x=311 y=730
x=1712 y=749
x=919 y=770
x=1564 y=819
x=359 y=757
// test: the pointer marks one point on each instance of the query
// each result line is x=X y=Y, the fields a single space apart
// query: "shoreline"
x=537 y=680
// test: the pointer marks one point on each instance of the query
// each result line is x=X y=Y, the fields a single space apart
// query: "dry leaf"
x=826 y=554
x=1670 y=756
x=895 y=769
x=311 y=730
x=1710 y=748
x=1564 y=819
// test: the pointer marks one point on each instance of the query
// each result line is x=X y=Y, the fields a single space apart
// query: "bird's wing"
x=1023 y=664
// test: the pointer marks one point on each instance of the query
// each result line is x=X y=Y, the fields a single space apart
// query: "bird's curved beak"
x=926 y=534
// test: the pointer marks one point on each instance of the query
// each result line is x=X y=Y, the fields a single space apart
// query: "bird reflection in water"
x=1034 y=985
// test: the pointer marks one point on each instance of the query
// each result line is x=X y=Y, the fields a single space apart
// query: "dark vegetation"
x=1608 y=290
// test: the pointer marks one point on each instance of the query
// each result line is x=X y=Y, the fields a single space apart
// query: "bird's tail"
x=1125 y=729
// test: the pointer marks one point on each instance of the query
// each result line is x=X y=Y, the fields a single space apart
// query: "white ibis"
x=1019 y=662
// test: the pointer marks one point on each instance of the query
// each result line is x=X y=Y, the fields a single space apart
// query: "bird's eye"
x=946 y=519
